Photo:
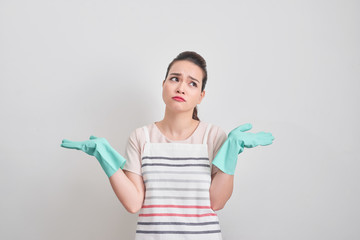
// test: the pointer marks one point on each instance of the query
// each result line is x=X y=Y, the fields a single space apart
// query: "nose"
x=180 y=91
x=180 y=88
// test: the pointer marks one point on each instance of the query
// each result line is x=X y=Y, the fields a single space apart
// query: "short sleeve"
x=133 y=154
x=219 y=139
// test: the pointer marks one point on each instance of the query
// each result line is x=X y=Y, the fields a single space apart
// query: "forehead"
x=186 y=68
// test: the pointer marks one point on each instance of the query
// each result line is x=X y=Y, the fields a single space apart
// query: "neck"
x=178 y=125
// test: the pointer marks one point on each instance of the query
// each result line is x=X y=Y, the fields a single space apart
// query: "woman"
x=167 y=174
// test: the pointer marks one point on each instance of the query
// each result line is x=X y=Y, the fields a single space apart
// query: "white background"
x=70 y=69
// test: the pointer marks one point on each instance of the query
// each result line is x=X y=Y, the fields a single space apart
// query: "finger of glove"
x=245 y=127
x=241 y=128
x=265 y=138
x=256 y=139
x=72 y=144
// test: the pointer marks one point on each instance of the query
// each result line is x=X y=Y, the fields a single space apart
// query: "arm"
x=226 y=158
x=129 y=189
x=221 y=189
x=221 y=186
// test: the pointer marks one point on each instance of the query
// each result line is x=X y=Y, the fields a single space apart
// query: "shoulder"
x=215 y=131
x=138 y=135
x=139 y=132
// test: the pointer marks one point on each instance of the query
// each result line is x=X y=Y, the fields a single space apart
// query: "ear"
x=163 y=83
x=202 y=95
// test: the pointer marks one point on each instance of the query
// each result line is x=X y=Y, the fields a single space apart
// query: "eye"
x=193 y=84
x=176 y=79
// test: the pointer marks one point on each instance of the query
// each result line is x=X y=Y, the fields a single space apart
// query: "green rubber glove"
x=109 y=159
x=227 y=156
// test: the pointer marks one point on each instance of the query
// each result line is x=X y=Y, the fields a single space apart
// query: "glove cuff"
x=226 y=158
x=109 y=159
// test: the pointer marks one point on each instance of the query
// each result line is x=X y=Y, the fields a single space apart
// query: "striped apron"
x=177 y=179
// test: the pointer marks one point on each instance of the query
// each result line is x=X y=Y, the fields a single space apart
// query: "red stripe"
x=174 y=206
x=177 y=215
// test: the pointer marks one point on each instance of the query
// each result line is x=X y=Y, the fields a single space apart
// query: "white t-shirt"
x=136 y=143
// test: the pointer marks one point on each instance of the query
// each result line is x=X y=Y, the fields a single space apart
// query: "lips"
x=179 y=99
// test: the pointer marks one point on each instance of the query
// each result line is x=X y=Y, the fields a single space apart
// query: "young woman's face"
x=184 y=81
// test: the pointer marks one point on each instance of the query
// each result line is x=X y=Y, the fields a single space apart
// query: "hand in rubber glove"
x=109 y=159
x=227 y=156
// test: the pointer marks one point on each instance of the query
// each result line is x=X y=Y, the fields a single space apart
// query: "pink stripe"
x=174 y=206
x=177 y=215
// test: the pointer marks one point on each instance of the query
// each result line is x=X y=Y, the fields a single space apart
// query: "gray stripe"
x=179 y=189
x=174 y=172
x=183 y=198
x=177 y=223
x=176 y=158
x=175 y=180
x=178 y=232
x=175 y=165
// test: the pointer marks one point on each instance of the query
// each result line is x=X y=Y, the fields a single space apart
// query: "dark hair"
x=197 y=60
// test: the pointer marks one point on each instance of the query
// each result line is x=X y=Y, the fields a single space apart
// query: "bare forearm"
x=129 y=195
x=221 y=189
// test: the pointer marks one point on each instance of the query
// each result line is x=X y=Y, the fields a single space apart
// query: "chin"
x=177 y=109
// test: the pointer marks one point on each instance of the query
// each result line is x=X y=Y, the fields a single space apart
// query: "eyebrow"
x=178 y=74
